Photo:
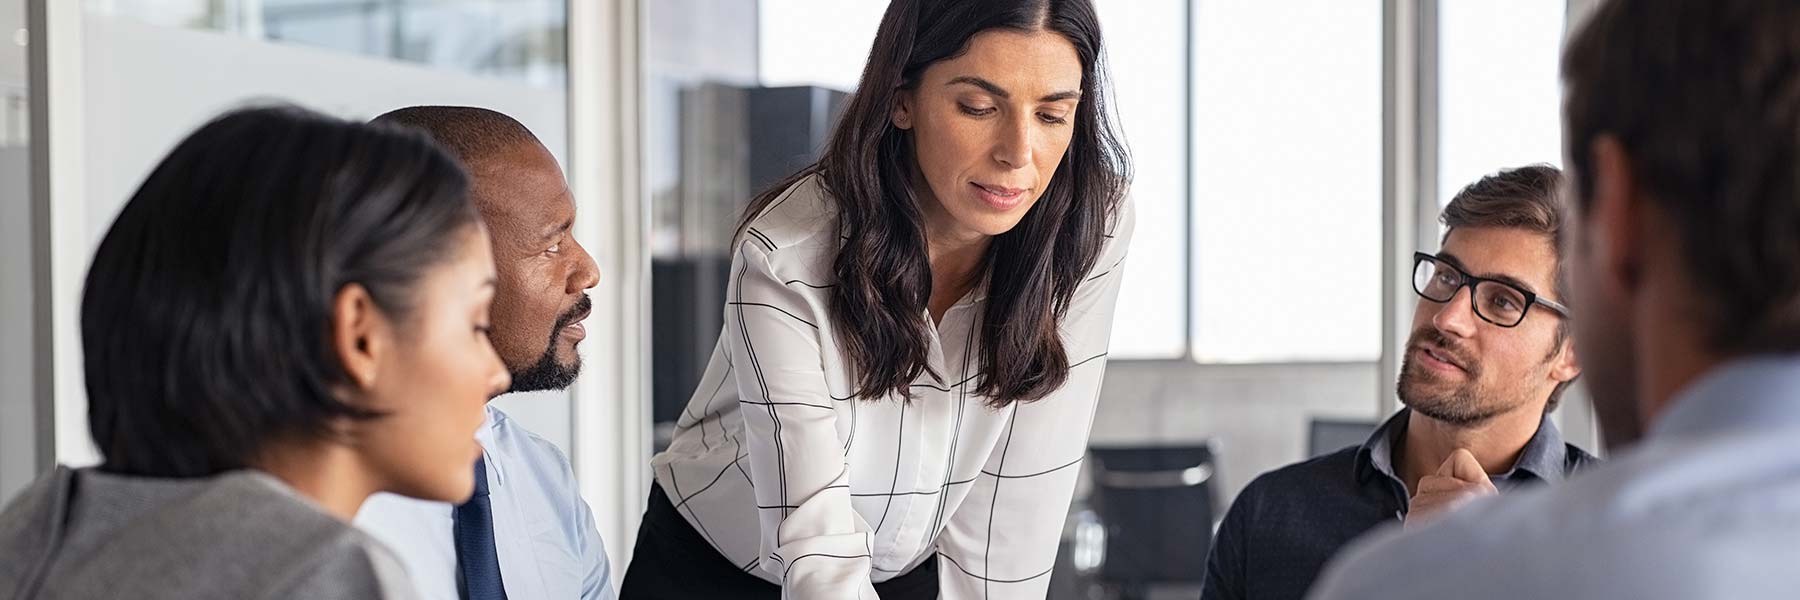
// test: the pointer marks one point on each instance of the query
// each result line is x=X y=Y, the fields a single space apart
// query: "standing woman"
x=916 y=330
x=288 y=316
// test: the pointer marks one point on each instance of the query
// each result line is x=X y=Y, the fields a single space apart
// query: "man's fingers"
x=1428 y=505
x=1432 y=485
x=1438 y=484
x=1459 y=480
x=1463 y=466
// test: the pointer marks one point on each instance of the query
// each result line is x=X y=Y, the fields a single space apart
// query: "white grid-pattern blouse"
x=794 y=482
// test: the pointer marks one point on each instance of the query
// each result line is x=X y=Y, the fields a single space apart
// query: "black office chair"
x=1157 y=505
x=1325 y=436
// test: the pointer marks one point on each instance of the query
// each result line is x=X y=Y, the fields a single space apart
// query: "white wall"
x=145 y=87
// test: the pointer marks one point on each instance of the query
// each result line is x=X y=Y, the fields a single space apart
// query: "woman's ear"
x=903 y=110
x=359 y=334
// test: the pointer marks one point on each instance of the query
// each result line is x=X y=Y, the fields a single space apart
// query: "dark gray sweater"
x=1288 y=523
x=243 y=534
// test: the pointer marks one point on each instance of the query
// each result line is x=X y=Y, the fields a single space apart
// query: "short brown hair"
x=1529 y=198
x=1704 y=97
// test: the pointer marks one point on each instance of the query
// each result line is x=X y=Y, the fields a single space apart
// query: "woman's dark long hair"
x=206 y=319
x=882 y=271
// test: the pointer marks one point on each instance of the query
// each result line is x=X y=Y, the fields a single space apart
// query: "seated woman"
x=287 y=317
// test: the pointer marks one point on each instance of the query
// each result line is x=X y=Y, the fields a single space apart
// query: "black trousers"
x=673 y=562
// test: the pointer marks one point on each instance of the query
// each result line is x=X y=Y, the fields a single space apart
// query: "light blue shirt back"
x=543 y=530
x=1706 y=506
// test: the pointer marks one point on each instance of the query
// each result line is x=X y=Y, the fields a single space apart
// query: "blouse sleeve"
x=812 y=540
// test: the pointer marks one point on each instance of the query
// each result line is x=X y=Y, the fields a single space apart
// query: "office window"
x=707 y=155
x=1146 y=42
x=1499 y=94
x=815 y=42
x=520 y=40
x=1286 y=168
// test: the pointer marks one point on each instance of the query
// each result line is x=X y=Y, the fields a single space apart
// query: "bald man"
x=526 y=533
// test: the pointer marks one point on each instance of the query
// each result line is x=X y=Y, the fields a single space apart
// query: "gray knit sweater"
x=243 y=534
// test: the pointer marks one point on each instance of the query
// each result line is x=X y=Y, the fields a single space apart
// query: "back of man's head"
x=1703 y=97
x=469 y=133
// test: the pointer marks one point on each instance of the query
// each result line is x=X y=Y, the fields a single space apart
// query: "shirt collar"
x=487 y=436
x=1545 y=456
x=1376 y=456
x=1748 y=393
x=490 y=425
x=980 y=292
x=976 y=295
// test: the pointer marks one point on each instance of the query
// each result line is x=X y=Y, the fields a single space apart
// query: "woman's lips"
x=1000 y=197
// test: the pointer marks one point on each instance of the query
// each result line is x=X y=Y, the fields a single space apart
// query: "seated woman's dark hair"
x=206 y=319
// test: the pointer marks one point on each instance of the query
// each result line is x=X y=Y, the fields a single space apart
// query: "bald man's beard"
x=549 y=373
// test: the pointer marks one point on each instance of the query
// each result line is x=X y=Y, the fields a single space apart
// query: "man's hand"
x=1458 y=481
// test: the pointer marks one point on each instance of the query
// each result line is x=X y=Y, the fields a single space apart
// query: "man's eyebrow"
x=1500 y=277
x=558 y=230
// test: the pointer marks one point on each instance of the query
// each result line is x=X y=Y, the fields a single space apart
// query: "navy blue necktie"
x=475 y=554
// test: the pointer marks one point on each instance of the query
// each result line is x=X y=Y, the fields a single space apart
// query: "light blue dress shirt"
x=1706 y=506
x=545 y=534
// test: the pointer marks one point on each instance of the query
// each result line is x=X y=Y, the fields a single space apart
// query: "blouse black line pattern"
x=772 y=460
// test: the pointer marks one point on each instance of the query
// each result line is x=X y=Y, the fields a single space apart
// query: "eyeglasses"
x=1495 y=301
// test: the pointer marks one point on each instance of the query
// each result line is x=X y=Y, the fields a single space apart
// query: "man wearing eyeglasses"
x=1489 y=357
